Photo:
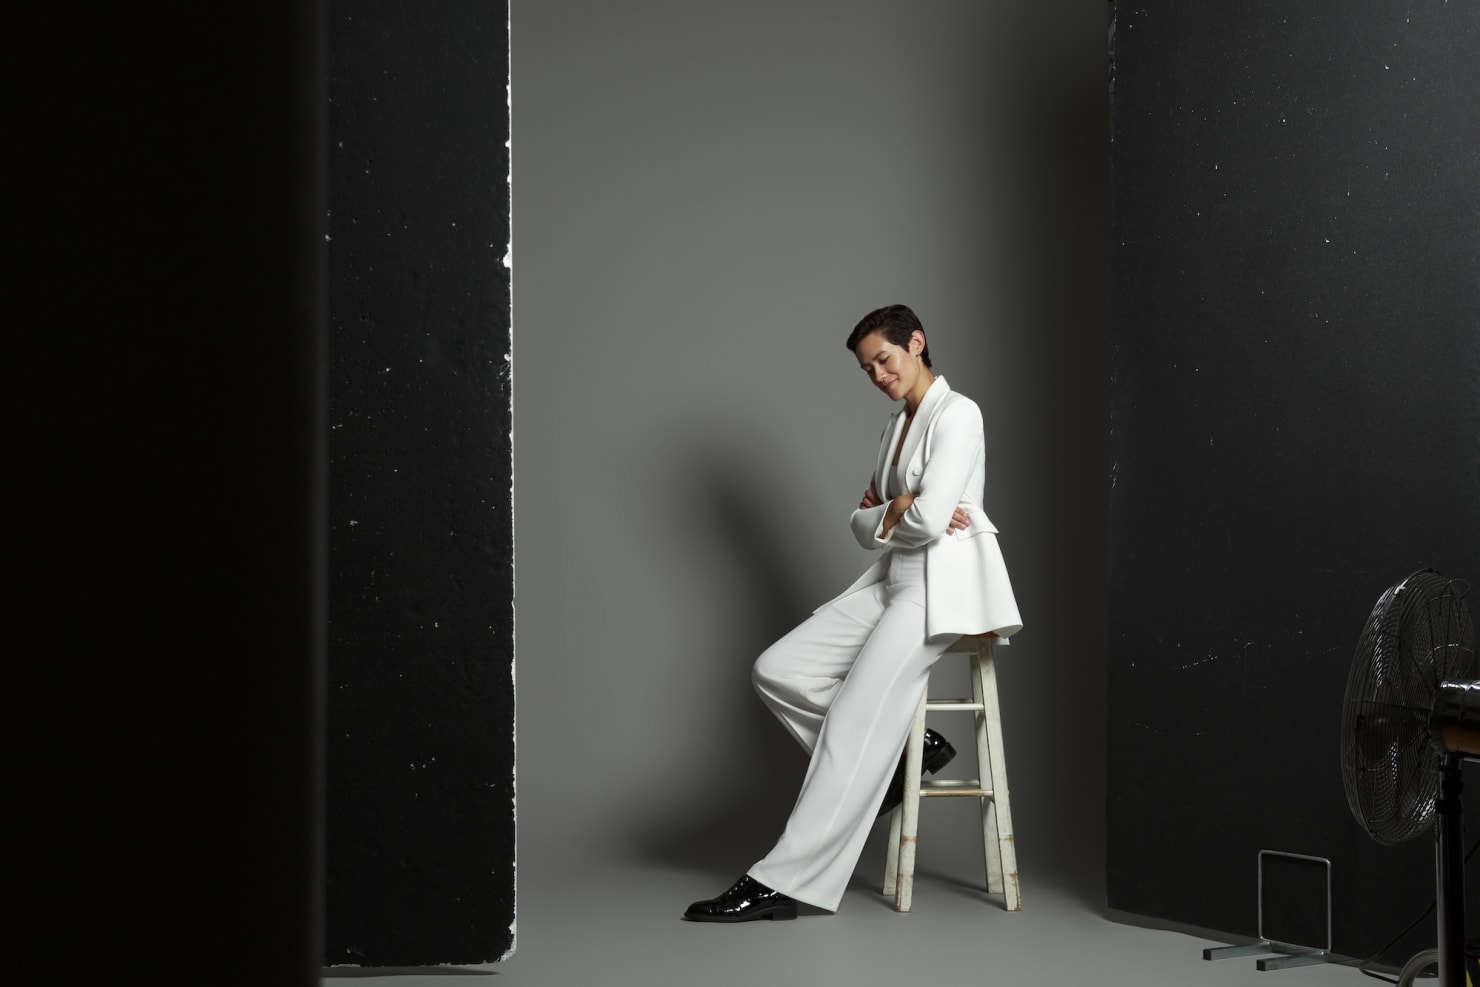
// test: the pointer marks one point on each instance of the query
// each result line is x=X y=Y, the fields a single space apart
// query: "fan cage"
x=1418 y=634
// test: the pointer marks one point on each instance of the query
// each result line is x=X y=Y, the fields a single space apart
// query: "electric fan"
x=1411 y=716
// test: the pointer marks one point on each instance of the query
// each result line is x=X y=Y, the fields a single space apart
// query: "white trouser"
x=846 y=683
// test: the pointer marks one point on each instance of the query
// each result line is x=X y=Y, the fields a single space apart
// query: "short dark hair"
x=896 y=322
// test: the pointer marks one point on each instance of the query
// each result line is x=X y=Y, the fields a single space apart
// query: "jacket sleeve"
x=955 y=448
x=865 y=524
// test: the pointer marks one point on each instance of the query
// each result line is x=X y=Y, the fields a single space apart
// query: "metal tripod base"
x=1286 y=958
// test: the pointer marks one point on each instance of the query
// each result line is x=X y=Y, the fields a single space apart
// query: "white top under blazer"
x=943 y=464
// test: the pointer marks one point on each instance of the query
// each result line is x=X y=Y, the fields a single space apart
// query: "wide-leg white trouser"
x=845 y=683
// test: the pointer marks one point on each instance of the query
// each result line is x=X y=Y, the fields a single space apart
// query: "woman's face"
x=895 y=370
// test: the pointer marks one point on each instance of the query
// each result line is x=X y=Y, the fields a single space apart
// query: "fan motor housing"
x=1455 y=720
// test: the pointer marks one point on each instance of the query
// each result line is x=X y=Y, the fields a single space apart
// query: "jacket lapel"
x=886 y=452
x=929 y=407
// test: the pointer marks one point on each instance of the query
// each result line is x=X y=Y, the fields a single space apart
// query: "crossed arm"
x=937 y=506
x=959 y=519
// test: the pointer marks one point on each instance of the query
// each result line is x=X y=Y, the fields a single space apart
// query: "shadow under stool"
x=990 y=787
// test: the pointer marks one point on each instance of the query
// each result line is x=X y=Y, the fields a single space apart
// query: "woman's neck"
x=917 y=393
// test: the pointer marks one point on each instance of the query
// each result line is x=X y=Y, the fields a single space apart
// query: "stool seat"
x=990 y=787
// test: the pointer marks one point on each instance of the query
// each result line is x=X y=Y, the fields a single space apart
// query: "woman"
x=847 y=681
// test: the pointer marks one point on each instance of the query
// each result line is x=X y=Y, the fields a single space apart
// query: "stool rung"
x=955 y=786
x=946 y=705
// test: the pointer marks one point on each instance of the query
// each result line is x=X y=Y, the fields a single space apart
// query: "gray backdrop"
x=706 y=198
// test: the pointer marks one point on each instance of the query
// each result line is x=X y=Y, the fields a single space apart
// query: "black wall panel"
x=420 y=840
x=1295 y=426
x=168 y=774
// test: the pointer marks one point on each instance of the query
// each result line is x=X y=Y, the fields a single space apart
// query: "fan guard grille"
x=1418 y=635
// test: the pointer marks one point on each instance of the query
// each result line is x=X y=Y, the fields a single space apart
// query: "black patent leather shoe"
x=746 y=901
x=936 y=753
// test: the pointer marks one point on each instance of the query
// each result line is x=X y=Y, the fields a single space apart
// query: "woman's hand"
x=870 y=498
x=960 y=521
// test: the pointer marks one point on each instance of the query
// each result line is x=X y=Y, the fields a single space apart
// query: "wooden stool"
x=997 y=843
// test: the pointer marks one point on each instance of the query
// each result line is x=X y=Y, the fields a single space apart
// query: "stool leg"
x=991 y=847
x=909 y=811
x=891 y=856
x=997 y=836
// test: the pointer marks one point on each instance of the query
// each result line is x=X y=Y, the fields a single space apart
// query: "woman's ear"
x=917 y=342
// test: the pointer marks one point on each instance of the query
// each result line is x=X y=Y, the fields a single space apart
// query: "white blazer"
x=943 y=463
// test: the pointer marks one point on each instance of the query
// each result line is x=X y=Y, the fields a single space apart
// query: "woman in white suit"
x=847 y=681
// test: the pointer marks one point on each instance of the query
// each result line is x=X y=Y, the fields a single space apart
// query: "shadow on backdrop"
x=1049 y=442
x=761 y=766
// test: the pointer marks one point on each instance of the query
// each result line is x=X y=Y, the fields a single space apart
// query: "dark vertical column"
x=181 y=313
x=1295 y=399
x=421 y=703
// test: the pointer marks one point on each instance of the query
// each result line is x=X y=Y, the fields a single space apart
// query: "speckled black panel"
x=1295 y=408
x=420 y=842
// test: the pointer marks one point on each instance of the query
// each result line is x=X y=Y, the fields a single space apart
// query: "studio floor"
x=620 y=926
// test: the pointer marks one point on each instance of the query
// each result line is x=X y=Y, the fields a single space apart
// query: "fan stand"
x=1454 y=724
x=1449 y=863
x=1288 y=955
